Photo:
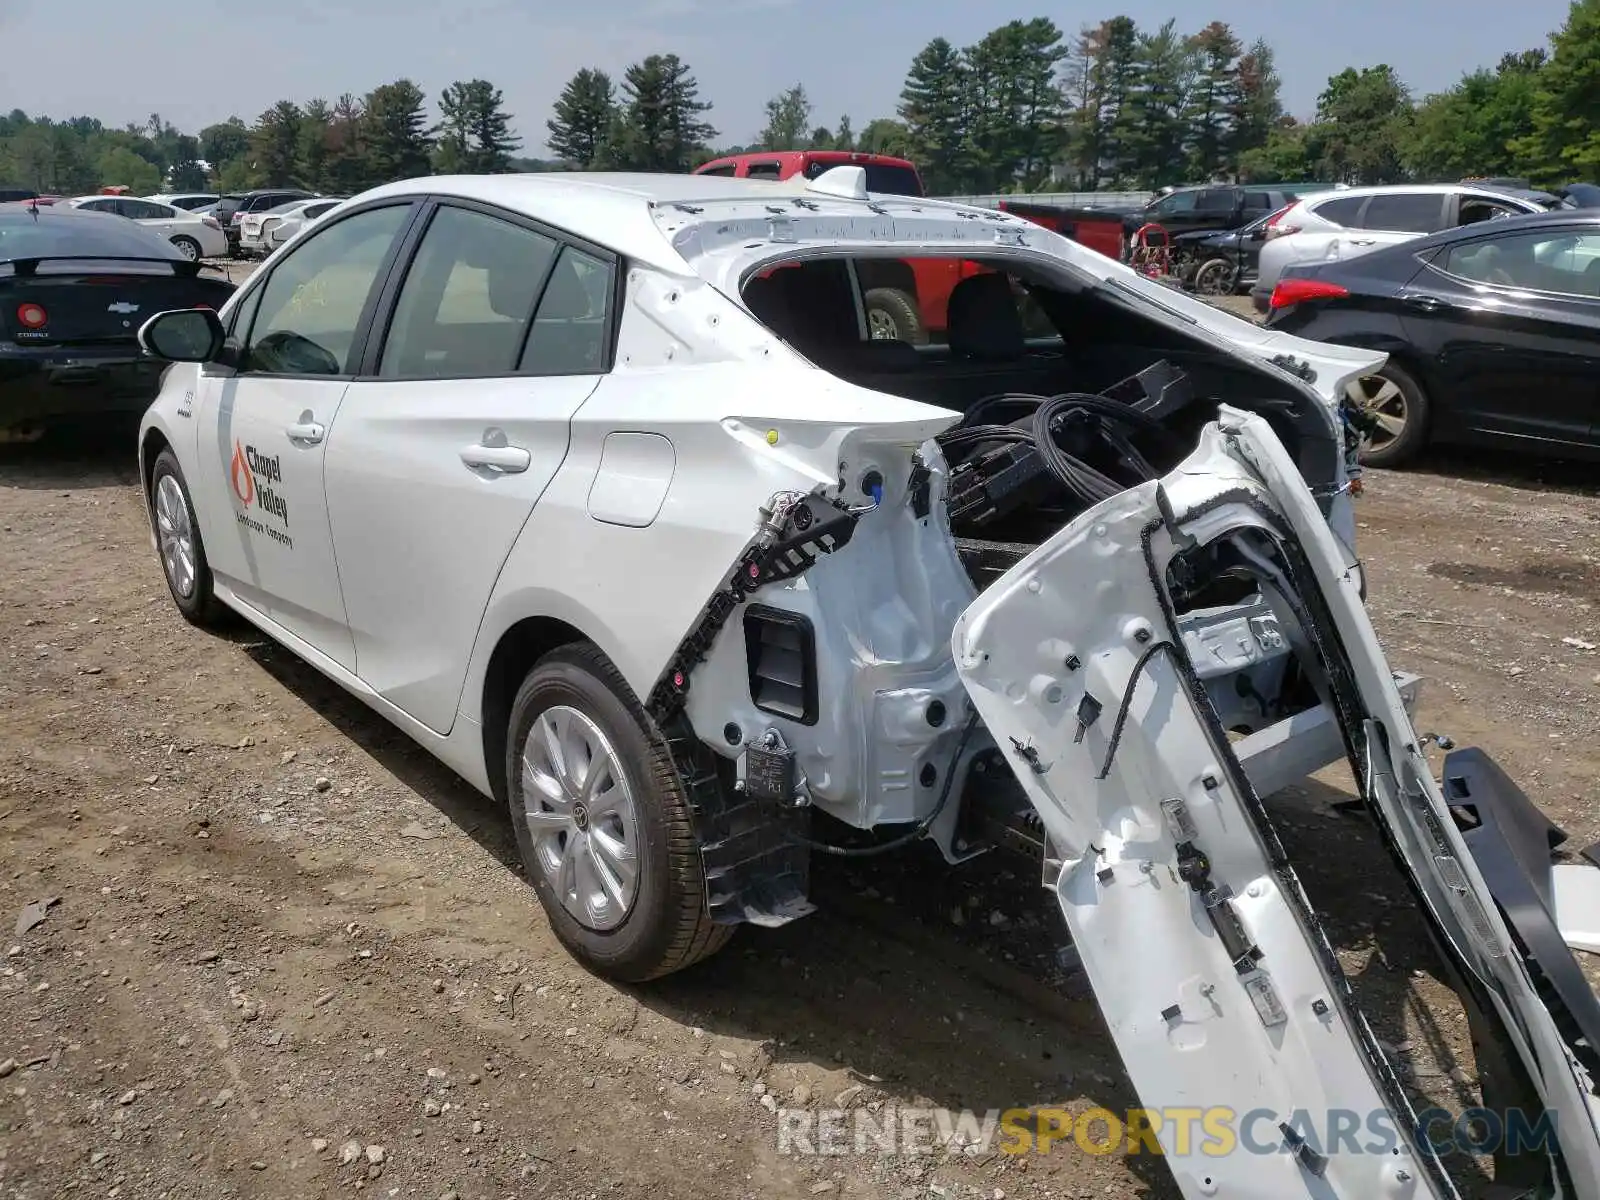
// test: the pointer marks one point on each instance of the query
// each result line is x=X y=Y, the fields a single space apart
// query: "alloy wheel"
x=175 y=536
x=582 y=817
x=1381 y=399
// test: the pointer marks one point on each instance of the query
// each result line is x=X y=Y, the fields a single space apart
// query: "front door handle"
x=306 y=430
x=1363 y=241
x=506 y=460
x=1428 y=304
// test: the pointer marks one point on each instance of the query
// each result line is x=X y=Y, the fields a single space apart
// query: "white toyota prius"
x=599 y=487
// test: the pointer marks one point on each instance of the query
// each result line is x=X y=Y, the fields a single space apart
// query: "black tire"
x=199 y=605
x=187 y=247
x=668 y=926
x=1413 y=436
x=898 y=310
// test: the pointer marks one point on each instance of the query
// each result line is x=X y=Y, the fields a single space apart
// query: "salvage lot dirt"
x=293 y=957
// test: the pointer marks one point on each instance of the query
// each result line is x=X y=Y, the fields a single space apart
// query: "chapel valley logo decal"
x=256 y=478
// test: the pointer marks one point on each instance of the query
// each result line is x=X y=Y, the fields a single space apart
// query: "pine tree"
x=1212 y=99
x=395 y=127
x=474 y=131
x=788 y=114
x=845 y=138
x=1116 y=66
x=934 y=107
x=346 y=166
x=312 y=145
x=661 y=128
x=1257 y=101
x=1566 y=103
x=275 y=145
x=584 y=114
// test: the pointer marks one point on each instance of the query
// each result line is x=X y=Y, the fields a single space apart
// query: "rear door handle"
x=1363 y=241
x=506 y=460
x=306 y=430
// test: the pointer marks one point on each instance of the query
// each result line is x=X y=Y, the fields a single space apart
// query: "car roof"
x=612 y=209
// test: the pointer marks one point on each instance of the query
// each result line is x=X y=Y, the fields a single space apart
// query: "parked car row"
x=1492 y=332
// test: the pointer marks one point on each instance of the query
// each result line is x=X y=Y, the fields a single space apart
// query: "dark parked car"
x=1492 y=332
x=74 y=289
x=1208 y=208
x=9 y=194
x=233 y=206
x=1224 y=261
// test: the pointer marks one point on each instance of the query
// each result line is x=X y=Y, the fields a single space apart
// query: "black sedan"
x=1492 y=332
x=74 y=289
x=1224 y=260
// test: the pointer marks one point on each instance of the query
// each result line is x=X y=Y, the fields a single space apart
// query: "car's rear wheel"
x=603 y=822
x=178 y=541
x=187 y=247
x=893 y=315
x=1215 y=277
x=1398 y=408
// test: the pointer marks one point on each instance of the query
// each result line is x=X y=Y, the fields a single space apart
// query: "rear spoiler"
x=27 y=267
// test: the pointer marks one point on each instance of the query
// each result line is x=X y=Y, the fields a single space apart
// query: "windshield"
x=67 y=234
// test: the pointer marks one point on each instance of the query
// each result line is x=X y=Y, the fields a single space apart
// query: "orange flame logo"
x=244 y=481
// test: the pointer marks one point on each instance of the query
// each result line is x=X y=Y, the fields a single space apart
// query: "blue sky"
x=201 y=62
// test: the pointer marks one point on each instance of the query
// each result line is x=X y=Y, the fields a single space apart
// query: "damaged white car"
x=598 y=487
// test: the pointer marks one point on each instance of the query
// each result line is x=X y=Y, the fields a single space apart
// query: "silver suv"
x=1355 y=221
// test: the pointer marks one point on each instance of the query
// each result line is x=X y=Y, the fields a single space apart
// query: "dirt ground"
x=293 y=957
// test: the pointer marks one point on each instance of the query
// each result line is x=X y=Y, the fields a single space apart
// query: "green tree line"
x=1025 y=107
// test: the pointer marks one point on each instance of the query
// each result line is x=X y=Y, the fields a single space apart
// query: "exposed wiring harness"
x=1108 y=420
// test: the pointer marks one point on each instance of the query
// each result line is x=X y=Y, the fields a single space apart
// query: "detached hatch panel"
x=1208 y=962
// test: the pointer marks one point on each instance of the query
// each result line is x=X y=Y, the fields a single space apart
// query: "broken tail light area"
x=1213 y=970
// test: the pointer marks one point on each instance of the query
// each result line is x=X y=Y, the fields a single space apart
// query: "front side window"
x=1567 y=263
x=465 y=305
x=724 y=169
x=105 y=206
x=1405 y=212
x=311 y=304
x=1175 y=204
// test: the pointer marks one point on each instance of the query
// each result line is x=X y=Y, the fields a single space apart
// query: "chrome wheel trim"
x=881 y=326
x=582 y=818
x=1381 y=398
x=175 y=536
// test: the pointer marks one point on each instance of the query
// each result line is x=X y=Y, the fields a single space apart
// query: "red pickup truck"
x=907 y=298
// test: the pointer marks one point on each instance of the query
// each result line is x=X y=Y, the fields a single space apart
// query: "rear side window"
x=1259 y=200
x=1341 y=211
x=467 y=298
x=571 y=330
x=764 y=170
x=1405 y=212
x=1215 y=201
x=724 y=169
x=143 y=210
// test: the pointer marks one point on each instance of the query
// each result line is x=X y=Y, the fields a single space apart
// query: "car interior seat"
x=983 y=321
x=568 y=335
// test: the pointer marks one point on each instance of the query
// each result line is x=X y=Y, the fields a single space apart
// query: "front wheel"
x=183 y=553
x=1214 y=277
x=603 y=822
x=187 y=247
x=893 y=316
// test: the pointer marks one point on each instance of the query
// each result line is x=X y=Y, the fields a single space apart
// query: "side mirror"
x=183 y=335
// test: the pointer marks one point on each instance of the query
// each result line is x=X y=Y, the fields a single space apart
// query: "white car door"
x=1208 y=961
x=440 y=455
x=264 y=418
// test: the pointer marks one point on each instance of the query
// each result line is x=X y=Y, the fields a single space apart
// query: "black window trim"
x=377 y=332
x=1431 y=260
x=249 y=296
